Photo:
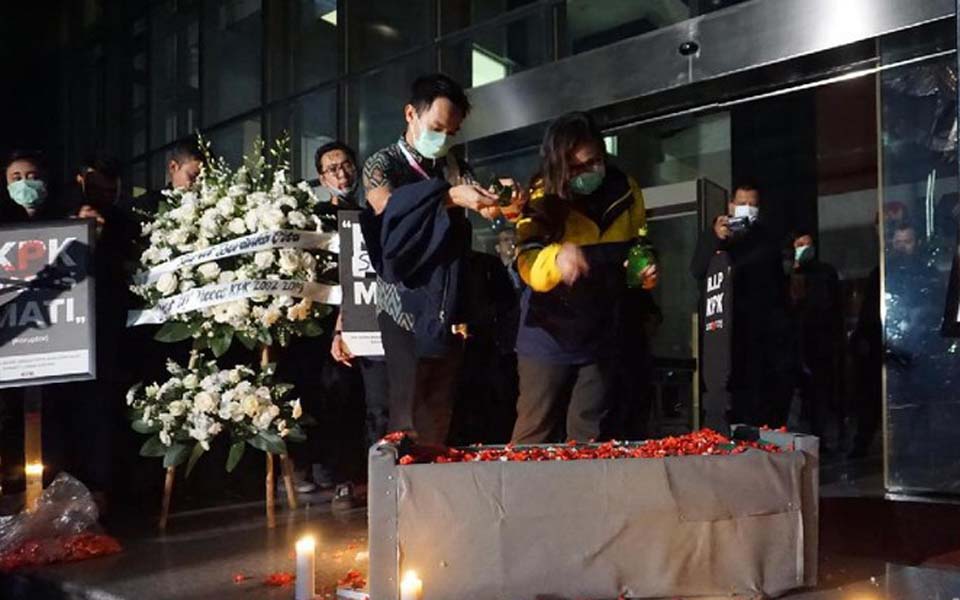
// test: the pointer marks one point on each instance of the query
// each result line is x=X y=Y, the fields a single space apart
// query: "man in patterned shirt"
x=421 y=388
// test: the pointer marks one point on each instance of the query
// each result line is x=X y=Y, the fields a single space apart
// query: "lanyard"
x=452 y=171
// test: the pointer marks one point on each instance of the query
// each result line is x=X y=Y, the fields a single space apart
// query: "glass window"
x=232 y=50
x=376 y=102
x=495 y=52
x=587 y=27
x=303 y=41
x=311 y=121
x=138 y=179
x=234 y=141
x=920 y=216
x=174 y=72
x=458 y=14
x=381 y=30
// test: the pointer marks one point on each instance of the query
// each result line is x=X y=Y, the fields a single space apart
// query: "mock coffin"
x=601 y=528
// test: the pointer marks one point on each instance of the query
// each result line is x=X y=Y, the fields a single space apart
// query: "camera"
x=739 y=225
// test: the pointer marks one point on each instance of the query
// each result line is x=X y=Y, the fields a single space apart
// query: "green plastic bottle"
x=639 y=258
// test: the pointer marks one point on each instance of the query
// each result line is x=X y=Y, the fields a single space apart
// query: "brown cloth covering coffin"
x=644 y=528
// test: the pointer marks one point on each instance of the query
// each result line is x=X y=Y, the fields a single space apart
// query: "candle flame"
x=410 y=581
x=34 y=468
x=306 y=544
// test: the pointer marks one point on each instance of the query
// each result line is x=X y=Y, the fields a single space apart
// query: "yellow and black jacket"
x=572 y=324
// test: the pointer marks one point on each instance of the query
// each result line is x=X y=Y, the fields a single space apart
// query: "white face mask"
x=745 y=210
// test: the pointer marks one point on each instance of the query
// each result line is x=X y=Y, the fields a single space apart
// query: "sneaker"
x=342 y=497
x=305 y=487
x=322 y=477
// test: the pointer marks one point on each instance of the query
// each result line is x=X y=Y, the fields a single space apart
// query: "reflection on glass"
x=495 y=52
x=458 y=14
x=302 y=45
x=232 y=49
x=376 y=102
x=138 y=179
x=311 y=122
x=381 y=30
x=519 y=166
x=234 y=141
x=920 y=228
x=174 y=72
x=588 y=27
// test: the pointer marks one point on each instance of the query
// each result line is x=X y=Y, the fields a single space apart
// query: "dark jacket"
x=561 y=324
x=759 y=285
x=422 y=245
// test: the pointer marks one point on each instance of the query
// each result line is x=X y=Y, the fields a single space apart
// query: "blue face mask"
x=28 y=193
x=587 y=183
x=803 y=254
x=433 y=144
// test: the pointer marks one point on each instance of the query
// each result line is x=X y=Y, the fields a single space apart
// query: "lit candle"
x=306 y=561
x=411 y=588
x=34 y=472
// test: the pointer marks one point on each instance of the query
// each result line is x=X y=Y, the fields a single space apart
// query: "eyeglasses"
x=346 y=166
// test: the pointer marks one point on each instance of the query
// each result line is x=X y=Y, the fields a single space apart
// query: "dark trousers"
x=421 y=388
x=376 y=393
x=561 y=398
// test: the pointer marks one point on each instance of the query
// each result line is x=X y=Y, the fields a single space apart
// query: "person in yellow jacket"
x=572 y=242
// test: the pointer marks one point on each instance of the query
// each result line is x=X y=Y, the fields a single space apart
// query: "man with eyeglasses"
x=337 y=167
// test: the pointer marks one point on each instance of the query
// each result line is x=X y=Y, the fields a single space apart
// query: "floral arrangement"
x=240 y=255
x=197 y=404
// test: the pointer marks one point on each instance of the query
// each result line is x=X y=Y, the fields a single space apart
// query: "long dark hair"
x=563 y=137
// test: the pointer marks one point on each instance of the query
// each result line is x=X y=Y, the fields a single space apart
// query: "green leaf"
x=312 y=328
x=296 y=435
x=153 y=447
x=194 y=456
x=174 y=331
x=175 y=455
x=236 y=453
x=221 y=341
x=268 y=442
x=141 y=427
x=265 y=338
x=248 y=342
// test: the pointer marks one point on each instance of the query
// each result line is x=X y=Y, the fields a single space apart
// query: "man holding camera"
x=759 y=343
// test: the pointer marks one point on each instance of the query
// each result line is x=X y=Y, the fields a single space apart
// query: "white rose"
x=167 y=284
x=215 y=429
x=263 y=420
x=237 y=311
x=271 y=218
x=204 y=402
x=297 y=409
x=237 y=191
x=165 y=438
x=186 y=286
x=176 y=408
x=209 y=271
x=233 y=376
x=227 y=277
x=251 y=219
x=250 y=405
x=263 y=259
x=221 y=313
x=191 y=382
x=288 y=200
x=289 y=260
x=270 y=316
x=226 y=206
x=297 y=219
x=237 y=226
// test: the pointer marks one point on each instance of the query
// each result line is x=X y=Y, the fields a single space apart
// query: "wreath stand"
x=286 y=467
